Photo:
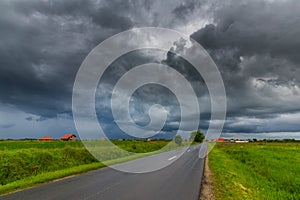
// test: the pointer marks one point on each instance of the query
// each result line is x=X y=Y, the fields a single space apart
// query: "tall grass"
x=20 y=160
x=18 y=163
x=256 y=170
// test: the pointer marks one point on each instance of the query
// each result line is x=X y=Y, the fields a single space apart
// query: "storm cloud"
x=255 y=45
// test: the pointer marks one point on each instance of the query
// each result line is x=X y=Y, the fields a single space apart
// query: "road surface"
x=179 y=181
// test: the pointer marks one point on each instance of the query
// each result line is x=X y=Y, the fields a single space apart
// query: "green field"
x=256 y=170
x=25 y=163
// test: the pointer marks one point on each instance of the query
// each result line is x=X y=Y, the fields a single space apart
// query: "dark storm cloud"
x=42 y=46
x=142 y=99
x=106 y=15
x=44 y=42
x=255 y=45
x=148 y=95
x=252 y=28
x=255 y=27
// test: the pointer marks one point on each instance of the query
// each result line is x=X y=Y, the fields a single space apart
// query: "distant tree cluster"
x=280 y=140
x=197 y=136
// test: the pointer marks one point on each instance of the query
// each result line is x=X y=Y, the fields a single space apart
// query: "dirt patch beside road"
x=207 y=183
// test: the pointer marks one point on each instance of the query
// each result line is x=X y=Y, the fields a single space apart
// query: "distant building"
x=241 y=141
x=46 y=138
x=222 y=140
x=102 y=139
x=148 y=139
x=68 y=137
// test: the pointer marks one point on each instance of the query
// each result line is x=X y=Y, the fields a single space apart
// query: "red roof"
x=46 y=138
x=67 y=136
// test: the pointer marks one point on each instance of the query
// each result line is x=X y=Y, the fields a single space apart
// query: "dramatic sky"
x=255 y=45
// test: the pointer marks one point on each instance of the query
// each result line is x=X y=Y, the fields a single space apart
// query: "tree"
x=197 y=136
x=178 y=139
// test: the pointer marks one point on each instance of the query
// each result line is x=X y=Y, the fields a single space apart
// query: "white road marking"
x=172 y=158
x=188 y=150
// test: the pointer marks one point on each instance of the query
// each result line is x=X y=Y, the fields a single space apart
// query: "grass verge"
x=256 y=170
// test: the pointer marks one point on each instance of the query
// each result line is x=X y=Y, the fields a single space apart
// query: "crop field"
x=256 y=170
x=25 y=163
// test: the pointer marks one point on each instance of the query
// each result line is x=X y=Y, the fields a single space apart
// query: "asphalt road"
x=179 y=180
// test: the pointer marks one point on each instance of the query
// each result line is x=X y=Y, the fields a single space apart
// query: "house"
x=220 y=140
x=68 y=137
x=102 y=139
x=46 y=138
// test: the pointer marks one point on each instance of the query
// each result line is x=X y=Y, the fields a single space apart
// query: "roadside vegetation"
x=25 y=163
x=257 y=170
x=141 y=146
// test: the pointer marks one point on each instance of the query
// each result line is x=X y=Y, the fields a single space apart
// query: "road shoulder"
x=207 y=183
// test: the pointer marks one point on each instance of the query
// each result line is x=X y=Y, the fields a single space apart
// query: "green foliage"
x=16 y=164
x=38 y=161
x=256 y=170
x=139 y=146
x=197 y=136
x=178 y=140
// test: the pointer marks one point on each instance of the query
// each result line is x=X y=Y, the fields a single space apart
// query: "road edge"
x=206 y=190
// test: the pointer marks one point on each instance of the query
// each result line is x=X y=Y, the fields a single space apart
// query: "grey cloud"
x=275 y=123
x=7 y=125
x=37 y=119
x=185 y=8
x=255 y=27
x=250 y=28
x=44 y=43
x=30 y=118
x=151 y=94
x=254 y=44
x=42 y=47
x=105 y=14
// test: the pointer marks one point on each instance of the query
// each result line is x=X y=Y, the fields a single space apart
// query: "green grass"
x=256 y=170
x=141 y=146
x=26 y=163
